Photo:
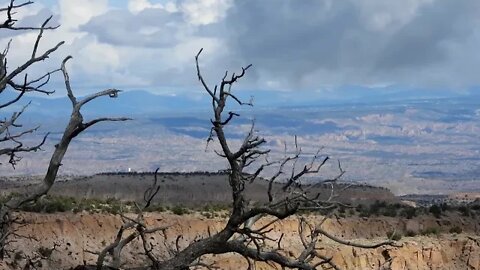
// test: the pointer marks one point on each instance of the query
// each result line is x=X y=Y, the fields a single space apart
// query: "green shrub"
x=178 y=210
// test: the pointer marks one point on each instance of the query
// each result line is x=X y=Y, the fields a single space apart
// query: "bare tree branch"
x=239 y=235
x=74 y=127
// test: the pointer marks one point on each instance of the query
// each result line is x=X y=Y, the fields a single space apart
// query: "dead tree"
x=12 y=132
x=136 y=228
x=240 y=234
x=18 y=81
x=243 y=234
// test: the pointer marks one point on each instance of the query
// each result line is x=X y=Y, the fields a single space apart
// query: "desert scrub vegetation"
x=59 y=204
x=179 y=210
x=430 y=231
x=382 y=208
x=55 y=204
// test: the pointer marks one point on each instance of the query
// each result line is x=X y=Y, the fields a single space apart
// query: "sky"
x=298 y=48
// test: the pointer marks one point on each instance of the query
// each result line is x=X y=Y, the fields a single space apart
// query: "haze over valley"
x=417 y=145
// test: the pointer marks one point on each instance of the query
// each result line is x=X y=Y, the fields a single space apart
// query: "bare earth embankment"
x=449 y=241
x=78 y=235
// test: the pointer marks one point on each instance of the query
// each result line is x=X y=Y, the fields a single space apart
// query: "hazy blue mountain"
x=143 y=102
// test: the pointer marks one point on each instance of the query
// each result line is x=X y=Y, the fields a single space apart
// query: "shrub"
x=178 y=210
x=45 y=252
x=156 y=208
x=390 y=211
x=455 y=229
x=207 y=214
x=18 y=256
x=410 y=233
x=445 y=207
x=464 y=210
x=408 y=212
x=376 y=206
x=394 y=235
x=435 y=210
x=365 y=213
x=430 y=231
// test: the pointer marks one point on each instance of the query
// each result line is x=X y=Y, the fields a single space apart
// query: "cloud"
x=310 y=44
x=203 y=12
x=294 y=45
x=152 y=27
x=76 y=13
x=136 y=6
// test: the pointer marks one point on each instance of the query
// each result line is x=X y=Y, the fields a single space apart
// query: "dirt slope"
x=78 y=235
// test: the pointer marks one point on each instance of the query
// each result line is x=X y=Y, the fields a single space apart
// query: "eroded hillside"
x=79 y=236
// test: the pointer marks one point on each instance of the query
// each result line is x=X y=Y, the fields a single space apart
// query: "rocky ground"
x=78 y=236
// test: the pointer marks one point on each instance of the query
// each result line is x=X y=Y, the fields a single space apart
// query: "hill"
x=192 y=189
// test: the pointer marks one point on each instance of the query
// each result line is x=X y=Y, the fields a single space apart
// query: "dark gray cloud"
x=422 y=41
x=335 y=40
x=297 y=37
x=313 y=44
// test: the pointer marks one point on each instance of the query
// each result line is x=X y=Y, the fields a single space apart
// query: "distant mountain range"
x=411 y=142
x=142 y=102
